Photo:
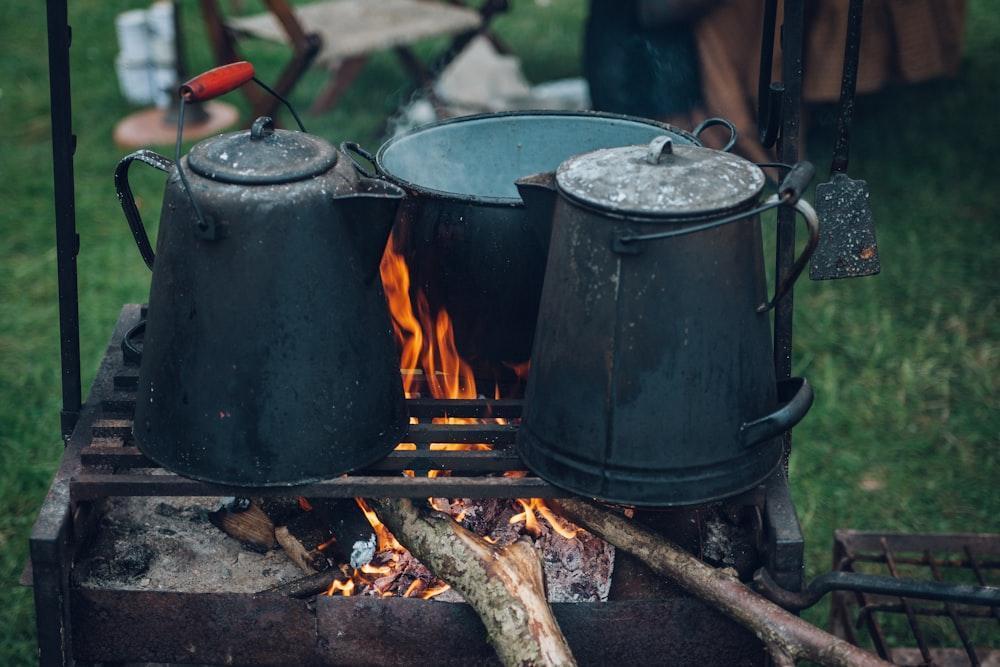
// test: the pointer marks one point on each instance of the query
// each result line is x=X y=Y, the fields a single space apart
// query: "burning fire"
x=530 y=520
x=428 y=351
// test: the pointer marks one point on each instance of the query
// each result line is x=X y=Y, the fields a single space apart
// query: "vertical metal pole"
x=792 y=30
x=67 y=240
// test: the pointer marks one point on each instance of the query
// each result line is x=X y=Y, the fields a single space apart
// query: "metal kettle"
x=268 y=356
x=652 y=381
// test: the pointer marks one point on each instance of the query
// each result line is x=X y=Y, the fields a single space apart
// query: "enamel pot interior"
x=472 y=246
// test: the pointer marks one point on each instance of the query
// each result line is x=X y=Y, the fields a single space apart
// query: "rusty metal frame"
x=226 y=628
x=75 y=624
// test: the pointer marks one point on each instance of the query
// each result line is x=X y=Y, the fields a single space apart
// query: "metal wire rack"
x=111 y=464
x=911 y=632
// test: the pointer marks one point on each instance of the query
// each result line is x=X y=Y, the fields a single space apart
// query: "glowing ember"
x=326 y=545
x=413 y=588
x=434 y=591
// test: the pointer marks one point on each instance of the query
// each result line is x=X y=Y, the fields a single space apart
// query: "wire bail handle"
x=206 y=86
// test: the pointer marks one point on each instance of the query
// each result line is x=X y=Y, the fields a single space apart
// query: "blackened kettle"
x=652 y=381
x=268 y=357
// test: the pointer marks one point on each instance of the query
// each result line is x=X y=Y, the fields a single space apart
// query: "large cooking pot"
x=268 y=356
x=652 y=381
x=465 y=231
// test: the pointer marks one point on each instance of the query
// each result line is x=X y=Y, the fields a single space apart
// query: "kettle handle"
x=352 y=148
x=218 y=81
x=712 y=122
x=128 y=200
x=796 y=396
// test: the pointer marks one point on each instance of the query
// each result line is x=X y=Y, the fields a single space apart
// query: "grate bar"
x=950 y=610
x=940 y=562
x=911 y=617
x=874 y=627
x=492 y=434
x=91 y=486
x=480 y=408
x=977 y=569
x=112 y=452
x=896 y=608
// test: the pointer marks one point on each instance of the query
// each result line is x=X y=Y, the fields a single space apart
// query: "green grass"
x=905 y=365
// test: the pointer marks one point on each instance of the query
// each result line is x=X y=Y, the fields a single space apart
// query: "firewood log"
x=244 y=521
x=787 y=636
x=504 y=586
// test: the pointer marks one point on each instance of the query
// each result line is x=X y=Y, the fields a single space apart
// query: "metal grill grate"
x=111 y=464
x=914 y=632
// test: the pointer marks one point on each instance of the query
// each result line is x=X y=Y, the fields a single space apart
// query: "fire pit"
x=127 y=566
x=100 y=595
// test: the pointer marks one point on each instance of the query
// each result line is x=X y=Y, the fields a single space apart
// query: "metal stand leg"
x=791 y=49
x=67 y=241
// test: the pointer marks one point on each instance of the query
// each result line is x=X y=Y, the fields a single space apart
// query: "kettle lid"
x=661 y=179
x=262 y=155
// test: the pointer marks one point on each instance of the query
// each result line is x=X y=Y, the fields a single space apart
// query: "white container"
x=164 y=85
x=135 y=80
x=145 y=63
x=160 y=33
x=133 y=40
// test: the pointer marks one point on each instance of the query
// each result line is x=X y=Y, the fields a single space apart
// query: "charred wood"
x=307 y=586
x=354 y=539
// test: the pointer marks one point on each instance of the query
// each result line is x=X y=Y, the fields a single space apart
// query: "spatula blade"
x=847 y=247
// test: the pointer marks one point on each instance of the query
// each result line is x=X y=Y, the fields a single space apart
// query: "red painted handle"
x=218 y=81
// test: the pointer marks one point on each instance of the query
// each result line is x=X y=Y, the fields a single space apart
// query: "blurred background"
x=904 y=433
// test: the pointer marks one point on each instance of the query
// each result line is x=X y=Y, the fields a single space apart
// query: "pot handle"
x=796 y=397
x=352 y=148
x=128 y=200
x=712 y=122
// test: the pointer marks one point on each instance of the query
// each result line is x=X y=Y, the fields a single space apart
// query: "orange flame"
x=345 y=588
x=531 y=521
x=428 y=350
x=409 y=335
x=385 y=539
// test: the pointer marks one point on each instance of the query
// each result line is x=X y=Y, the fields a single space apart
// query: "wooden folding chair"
x=342 y=34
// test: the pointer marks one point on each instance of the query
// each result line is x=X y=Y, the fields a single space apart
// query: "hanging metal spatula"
x=847 y=247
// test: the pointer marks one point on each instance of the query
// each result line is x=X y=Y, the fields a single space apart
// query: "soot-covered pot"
x=268 y=355
x=652 y=381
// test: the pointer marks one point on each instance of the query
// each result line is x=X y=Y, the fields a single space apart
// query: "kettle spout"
x=539 y=194
x=369 y=214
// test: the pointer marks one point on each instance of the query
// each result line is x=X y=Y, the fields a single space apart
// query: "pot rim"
x=502 y=202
